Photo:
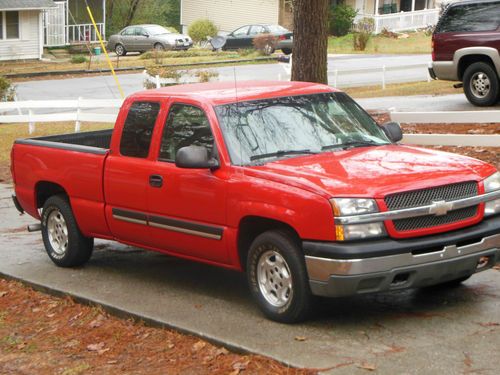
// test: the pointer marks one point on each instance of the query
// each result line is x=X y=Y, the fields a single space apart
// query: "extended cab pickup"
x=291 y=182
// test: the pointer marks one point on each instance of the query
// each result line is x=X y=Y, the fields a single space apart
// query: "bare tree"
x=133 y=8
x=310 y=40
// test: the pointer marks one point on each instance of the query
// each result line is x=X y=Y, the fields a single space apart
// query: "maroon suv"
x=465 y=47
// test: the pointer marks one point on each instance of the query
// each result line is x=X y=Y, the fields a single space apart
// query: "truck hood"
x=373 y=171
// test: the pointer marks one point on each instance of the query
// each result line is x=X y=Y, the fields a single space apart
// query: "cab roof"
x=218 y=93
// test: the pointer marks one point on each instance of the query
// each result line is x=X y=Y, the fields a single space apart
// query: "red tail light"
x=432 y=48
x=282 y=37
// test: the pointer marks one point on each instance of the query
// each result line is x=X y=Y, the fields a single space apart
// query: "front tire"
x=481 y=86
x=64 y=243
x=120 y=50
x=158 y=47
x=277 y=277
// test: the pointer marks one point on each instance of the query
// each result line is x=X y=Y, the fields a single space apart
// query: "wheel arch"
x=46 y=189
x=467 y=56
x=252 y=226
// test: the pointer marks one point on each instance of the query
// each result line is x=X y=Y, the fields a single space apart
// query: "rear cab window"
x=474 y=17
x=138 y=129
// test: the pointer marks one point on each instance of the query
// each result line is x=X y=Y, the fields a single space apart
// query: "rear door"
x=127 y=174
x=128 y=38
x=187 y=206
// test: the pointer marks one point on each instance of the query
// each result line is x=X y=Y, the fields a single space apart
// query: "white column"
x=412 y=5
x=104 y=19
x=376 y=7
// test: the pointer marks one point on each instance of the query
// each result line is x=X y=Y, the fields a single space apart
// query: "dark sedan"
x=244 y=36
x=142 y=38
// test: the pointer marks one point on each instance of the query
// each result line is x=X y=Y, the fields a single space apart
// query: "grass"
x=147 y=59
x=404 y=89
x=416 y=43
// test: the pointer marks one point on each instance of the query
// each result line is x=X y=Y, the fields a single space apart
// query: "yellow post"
x=105 y=52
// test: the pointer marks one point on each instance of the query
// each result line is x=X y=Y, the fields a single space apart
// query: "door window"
x=255 y=30
x=186 y=125
x=242 y=31
x=138 y=129
x=130 y=31
x=471 y=17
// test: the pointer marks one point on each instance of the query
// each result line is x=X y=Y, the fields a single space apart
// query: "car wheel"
x=268 y=49
x=65 y=244
x=286 y=51
x=120 y=50
x=277 y=277
x=159 y=47
x=481 y=85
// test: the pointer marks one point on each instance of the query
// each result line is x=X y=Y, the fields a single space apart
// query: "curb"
x=152 y=322
x=131 y=68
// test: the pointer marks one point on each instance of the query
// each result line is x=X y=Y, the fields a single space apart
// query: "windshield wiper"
x=350 y=144
x=281 y=153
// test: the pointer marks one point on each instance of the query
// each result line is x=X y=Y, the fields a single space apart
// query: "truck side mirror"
x=393 y=131
x=195 y=157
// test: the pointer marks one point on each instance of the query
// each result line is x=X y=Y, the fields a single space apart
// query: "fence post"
x=77 y=122
x=383 y=77
x=157 y=79
x=31 y=122
x=335 y=77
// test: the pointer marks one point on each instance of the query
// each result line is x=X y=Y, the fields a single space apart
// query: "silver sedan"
x=141 y=38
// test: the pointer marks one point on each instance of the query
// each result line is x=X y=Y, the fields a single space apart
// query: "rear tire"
x=286 y=51
x=277 y=277
x=481 y=86
x=120 y=50
x=64 y=243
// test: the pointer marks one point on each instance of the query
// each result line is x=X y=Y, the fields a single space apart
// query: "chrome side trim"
x=130 y=220
x=186 y=231
x=417 y=211
x=320 y=269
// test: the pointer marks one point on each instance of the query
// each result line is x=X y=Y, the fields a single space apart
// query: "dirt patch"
x=41 y=334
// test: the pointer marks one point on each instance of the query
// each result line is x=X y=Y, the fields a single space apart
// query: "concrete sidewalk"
x=417 y=332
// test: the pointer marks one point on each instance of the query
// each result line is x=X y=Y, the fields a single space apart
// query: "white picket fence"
x=26 y=111
x=112 y=106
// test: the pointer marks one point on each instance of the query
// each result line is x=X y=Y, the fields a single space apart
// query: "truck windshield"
x=262 y=130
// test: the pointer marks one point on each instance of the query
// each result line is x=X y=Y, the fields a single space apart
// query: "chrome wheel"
x=274 y=278
x=480 y=85
x=119 y=50
x=58 y=232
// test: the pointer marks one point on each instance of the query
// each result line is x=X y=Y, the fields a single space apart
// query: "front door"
x=187 y=206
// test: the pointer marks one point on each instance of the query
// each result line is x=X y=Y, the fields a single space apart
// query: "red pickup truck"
x=292 y=182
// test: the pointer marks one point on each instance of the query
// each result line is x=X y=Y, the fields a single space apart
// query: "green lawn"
x=404 y=89
x=415 y=43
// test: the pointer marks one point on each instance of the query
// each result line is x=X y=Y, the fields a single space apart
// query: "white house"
x=231 y=14
x=21 y=28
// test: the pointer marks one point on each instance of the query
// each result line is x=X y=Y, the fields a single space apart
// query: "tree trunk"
x=131 y=13
x=310 y=41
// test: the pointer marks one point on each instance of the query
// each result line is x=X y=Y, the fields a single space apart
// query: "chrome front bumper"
x=342 y=277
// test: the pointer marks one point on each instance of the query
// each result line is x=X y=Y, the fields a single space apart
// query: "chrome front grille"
x=425 y=197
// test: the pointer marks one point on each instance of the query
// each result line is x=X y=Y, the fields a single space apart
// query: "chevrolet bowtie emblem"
x=440 y=208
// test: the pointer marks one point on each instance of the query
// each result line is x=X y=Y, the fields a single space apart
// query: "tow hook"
x=458 y=85
x=34 y=227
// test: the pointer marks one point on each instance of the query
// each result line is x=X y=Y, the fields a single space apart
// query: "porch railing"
x=83 y=33
x=403 y=20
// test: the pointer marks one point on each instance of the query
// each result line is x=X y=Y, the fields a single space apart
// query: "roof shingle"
x=25 y=4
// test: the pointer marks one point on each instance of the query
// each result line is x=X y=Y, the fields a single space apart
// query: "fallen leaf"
x=72 y=343
x=300 y=338
x=170 y=346
x=21 y=346
x=221 y=351
x=3 y=293
x=50 y=315
x=35 y=310
x=112 y=362
x=97 y=322
x=367 y=366
x=95 y=347
x=199 y=345
x=102 y=351
x=467 y=360
x=240 y=365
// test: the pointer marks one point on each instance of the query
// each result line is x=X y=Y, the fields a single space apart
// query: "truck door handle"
x=156 y=181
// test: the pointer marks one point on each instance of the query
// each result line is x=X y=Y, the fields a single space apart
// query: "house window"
x=9 y=25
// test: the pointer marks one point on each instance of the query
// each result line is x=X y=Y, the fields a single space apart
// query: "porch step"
x=59 y=53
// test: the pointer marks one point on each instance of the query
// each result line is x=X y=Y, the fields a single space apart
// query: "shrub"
x=265 y=43
x=206 y=75
x=365 y=29
x=341 y=19
x=166 y=72
x=200 y=29
x=7 y=90
x=78 y=59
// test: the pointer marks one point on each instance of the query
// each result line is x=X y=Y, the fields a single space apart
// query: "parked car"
x=465 y=48
x=292 y=182
x=142 y=38
x=243 y=38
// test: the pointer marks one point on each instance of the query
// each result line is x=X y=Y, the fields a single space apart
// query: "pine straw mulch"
x=42 y=334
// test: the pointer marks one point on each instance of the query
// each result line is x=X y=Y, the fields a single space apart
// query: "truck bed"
x=95 y=142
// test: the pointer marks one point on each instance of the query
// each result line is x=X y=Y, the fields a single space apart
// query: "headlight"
x=356 y=206
x=492 y=183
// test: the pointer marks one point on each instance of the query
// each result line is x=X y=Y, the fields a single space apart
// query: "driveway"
x=417 y=331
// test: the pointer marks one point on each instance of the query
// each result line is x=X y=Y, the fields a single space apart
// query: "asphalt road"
x=104 y=86
x=412 y=332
